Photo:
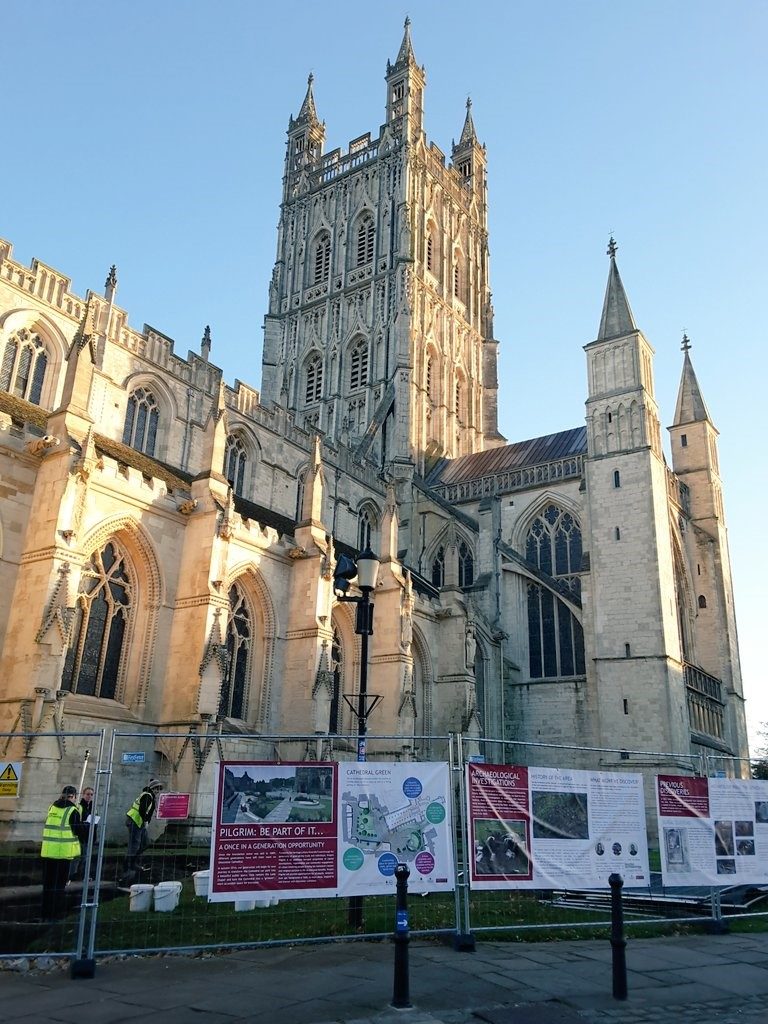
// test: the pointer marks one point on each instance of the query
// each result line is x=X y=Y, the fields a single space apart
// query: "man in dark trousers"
x=137 y=818
x=61 y=846
x=86 y=816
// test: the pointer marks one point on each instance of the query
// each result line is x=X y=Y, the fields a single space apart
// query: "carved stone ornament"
x=40 y=445
x=188 y=507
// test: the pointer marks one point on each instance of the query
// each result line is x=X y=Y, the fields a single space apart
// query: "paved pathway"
x=717 y=979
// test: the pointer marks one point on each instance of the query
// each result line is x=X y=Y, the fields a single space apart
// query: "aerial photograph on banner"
x=274 y=831
x=390 y=814
x=553 y=828
x=712 y=831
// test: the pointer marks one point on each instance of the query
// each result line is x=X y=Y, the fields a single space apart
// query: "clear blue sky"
x=151 y=135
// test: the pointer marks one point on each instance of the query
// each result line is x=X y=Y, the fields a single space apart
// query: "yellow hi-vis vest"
x=133 y=812
x=59 y=842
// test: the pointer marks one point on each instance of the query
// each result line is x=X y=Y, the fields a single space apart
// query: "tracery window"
x=365 y=530
x=365 y=236
x=141 y=421
x=438 y=568
x=337 y=669
x=234 y=690
x=555 y=636
x=300 y=486
x=235 y=459
x=429 y=377
x=23 y=367
x=102 y=615
x=321 y=267
x=457 y=277
x=430 y=251
x=314 y=389
x=358 y=365
x=466 y=565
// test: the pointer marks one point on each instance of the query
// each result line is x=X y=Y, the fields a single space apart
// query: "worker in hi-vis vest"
x=137 y=818
x=61 y=846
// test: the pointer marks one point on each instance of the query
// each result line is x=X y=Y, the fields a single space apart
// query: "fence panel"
x=41 y=902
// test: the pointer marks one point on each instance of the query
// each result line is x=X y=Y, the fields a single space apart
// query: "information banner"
x=550 y=828
x=712 y=831
x=390 y=814
x=173 y=806
x=274 y=830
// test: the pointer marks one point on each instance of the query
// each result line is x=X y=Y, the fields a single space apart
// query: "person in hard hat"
x=62 y=833
x=137 y=818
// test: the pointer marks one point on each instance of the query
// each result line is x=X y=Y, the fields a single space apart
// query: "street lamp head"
x=367 y=569
x=345 y=571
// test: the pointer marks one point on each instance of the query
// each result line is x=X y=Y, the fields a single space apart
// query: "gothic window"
x=235 y=459
x=102 y=615
x=466 y=566
x=459 y=398
x=457 y=276
x=616 y=478
x=234 y=691
x=358 y=365
x=702 y=601
x=429 y=377
x=321 y=266
x=22 y=371
x=300 y=485
x=365 y=530
x=141 y=419
x=555 y=636
x=337 y=669
x=438 y=568
x=430 y=250
x=314 y=390
x=365 y=234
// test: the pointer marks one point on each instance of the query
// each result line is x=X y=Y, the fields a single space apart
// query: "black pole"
x=618 y=942
x=402 y=937
x=362 y=698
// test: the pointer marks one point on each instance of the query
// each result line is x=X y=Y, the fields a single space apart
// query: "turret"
x=468 y=156
x=405 y=86
x=306 y=136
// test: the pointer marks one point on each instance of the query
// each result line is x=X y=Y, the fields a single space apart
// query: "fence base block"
x=464 y=942
x=85 y=968
x=717 y=927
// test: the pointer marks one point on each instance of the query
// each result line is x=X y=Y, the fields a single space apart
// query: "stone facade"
x=168 y=542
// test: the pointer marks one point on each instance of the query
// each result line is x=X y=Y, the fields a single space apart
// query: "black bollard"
x=618 y=942
x=400 y=993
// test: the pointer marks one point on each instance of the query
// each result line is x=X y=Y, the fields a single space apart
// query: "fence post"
x=463 y=940
x=84 y=965
x=401 y=987
x=618 y=942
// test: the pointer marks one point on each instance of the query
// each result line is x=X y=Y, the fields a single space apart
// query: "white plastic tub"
x=167 y=896
x=244 y=905
x=141 y=897
x=202 y=880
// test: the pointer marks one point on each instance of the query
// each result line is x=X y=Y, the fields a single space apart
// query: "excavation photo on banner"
x=550 y=828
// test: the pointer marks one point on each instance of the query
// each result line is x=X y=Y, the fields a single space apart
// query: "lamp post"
x=366 y=569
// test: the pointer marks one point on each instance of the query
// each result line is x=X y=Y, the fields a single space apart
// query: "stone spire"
x=405 y=55
x=308 y=112
x=468 y=133
x=617 y=319
x=691 y=407
x=205 y=343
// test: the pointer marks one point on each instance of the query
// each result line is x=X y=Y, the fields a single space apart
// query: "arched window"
x=431 y=258
x=337 y=669
x=102 y=615
x=314 y=390
x=234 y=691
x=365 y=236
x=438 y=568
x=459 y=398
x=457 y=275
x=141 y=420
x=321 y=263
x=300 y=485
x=23 y=368
x=466 y=566
x=358 y=365
x=429 y=377
x=555 y=636
x=365 y=530
x=235 y=458
x=702 y=601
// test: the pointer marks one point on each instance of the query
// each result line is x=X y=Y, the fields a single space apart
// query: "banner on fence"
x=712 y=831
x=390 y=813
x=274 y=830
x=173 y=806
x=10 y=778
x=550 y=828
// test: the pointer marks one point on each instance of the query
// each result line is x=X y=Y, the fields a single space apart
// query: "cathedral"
x=169 y=542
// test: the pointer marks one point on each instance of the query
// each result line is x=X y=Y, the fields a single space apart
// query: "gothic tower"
x=629 y=589
x=379 y=332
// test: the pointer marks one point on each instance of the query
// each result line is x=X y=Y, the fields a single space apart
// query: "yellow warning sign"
x=10 y=776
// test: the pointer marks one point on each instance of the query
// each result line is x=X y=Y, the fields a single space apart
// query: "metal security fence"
x=119 y=902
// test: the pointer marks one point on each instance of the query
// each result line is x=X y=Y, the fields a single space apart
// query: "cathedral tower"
x=379 y=332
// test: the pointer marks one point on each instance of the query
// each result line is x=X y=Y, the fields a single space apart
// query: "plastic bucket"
x=167 y=896
x=244 y=905
x=202 y=880
x=141 y=897
x=263 y=902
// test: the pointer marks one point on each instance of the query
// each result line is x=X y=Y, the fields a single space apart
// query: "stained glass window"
x=22 y=371
x=365 y=530
x=466 y=566
x=234 y=692
x=141 y=420
x=438 y=568
x=235 y=458
x=555 y=636
x=104 y=606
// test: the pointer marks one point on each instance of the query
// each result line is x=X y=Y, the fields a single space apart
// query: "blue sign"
x=386 y=864
x=401 y=921
x=133 y=757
